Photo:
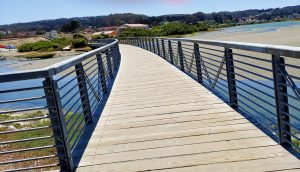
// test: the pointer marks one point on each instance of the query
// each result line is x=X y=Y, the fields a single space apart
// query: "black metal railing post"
x=171 y=52
x=143 y=43
x=163 y=49
x=139 y=42
x=180 y=53
x=119 y=54
x=101 y=73
x=146 y=42
x=198 y=62
x=85 y=102
x=114 y=58
x=150 y=44
x=158 y=48
x=56 y=114
x=108 y=61
x=153 y=45
x=231 y=78
x=281 y=100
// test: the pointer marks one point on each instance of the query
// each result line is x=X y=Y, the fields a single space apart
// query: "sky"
x=15 y=11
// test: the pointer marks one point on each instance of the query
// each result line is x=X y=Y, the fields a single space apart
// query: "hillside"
x=118 y=19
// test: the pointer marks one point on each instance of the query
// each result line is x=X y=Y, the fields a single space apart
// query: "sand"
x=284 y=36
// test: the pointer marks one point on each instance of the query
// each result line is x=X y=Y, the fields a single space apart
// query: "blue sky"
x=12 y=11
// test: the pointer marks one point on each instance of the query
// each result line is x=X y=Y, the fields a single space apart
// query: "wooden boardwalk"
x=159 y=119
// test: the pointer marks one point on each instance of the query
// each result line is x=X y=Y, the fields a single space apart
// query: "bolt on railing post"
x=198 y=62
x=158 y=48
x=101 y=73
x=85 y=102
x=163 y=49
x=280 y=90
x=231 y=78
x=180 y=53
x=110 y=71
x=171 y=52
x=54 y=104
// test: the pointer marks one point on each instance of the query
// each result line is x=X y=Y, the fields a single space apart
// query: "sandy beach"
x=283 y=36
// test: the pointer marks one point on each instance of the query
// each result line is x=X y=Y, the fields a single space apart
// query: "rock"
x=67 y=48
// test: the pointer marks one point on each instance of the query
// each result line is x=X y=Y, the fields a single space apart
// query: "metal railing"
x=260 y=81
x=44 y=112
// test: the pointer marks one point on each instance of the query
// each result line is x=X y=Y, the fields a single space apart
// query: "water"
x=257 y=28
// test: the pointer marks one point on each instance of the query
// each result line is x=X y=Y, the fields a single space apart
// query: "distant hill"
x=119 y=19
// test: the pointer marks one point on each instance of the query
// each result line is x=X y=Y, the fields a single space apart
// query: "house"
x=136 y=26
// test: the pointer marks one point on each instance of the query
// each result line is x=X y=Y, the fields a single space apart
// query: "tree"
x=70 y=27
x=1 y=35
x=200 y=16
x=218 y=17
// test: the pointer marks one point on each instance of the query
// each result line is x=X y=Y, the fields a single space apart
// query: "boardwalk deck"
x=159 y=119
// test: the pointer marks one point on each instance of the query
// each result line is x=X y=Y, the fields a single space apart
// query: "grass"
x=84 y=49
x=56 y=44
x=27 y=144
x=74 y=118
x=37 y=55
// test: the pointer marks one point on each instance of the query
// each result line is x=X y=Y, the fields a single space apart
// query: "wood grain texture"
x=159 y=119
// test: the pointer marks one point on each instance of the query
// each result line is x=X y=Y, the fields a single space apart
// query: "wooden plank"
x=159 y=119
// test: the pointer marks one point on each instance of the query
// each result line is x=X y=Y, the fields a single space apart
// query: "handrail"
x=259 y=80
x=52 y=69
x=57 y=102
x=281 y=50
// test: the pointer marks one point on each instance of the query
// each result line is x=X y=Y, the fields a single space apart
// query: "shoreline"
x=288 y=36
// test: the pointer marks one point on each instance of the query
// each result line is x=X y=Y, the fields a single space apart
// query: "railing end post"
x=281 y=100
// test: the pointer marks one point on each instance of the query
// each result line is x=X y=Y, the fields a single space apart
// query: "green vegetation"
x=1 y=35
x=48 y=141
x=41 y=48
x=173 y=28
x=79 y=41
x=53 y=45
x=102 y=36
x=70 y=27
x=62 y=42
x=37 y=55
x=38 y=46
x=28 y=144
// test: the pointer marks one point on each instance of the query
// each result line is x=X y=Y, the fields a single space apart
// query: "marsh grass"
x=76 y=119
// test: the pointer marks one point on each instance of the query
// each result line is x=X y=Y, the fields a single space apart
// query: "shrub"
x=39 y=46
x=79 y=43
x=178 y=28
x=101 y=36
x=140 y=33
x=62 y=42
x=78 y=35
